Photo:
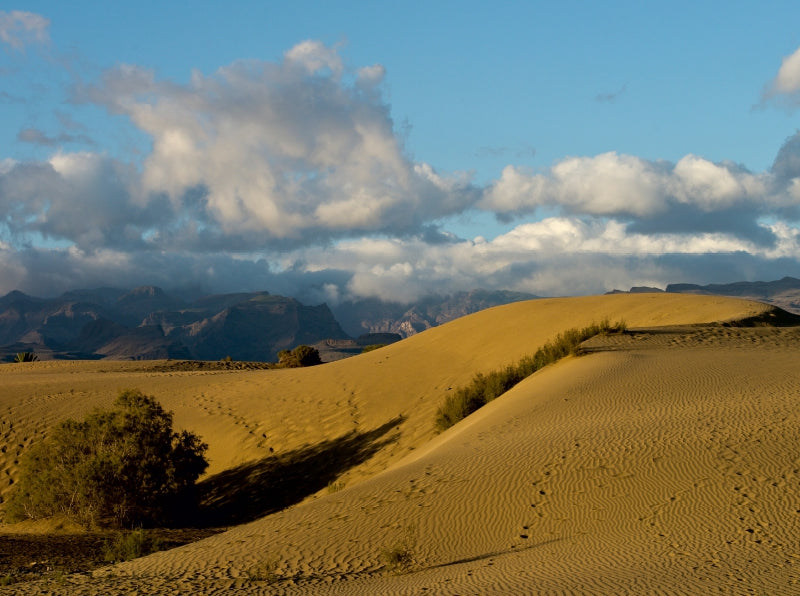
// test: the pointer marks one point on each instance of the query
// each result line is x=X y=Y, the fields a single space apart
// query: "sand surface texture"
x=664 y=461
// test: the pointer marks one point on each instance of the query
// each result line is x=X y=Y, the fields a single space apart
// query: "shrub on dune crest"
x=301 y=356
x=485 y=387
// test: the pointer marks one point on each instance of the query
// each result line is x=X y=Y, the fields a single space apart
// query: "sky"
x=342 y=150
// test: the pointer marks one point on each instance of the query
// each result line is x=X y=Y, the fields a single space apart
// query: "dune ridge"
x=662 y=461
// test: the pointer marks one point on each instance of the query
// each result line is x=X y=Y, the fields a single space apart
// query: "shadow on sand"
x=258 y=488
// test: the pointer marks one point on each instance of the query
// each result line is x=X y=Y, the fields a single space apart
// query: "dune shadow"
x=255 y=489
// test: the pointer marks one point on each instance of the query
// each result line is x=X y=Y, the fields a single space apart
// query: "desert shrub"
x=130 y=545
x=372 y=347
x=118 y=467
x=26 y=357
x=399 y=557
x=264 y=571
x=334 y=486
x=301 y=356
x=485 y=387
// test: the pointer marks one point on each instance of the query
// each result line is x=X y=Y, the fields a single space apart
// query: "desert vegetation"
x=117 y=468
x=131 y=545
x=399 y=557
x=26 y=357
x=485 y=387
x=301 y=356
x=372 y=347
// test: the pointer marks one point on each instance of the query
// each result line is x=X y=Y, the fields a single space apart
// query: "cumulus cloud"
x=615 y=184
x=19 y=28
x=281 y=151
x=786 y=165
x=81 y=198
x=554 y=256
x=659 y=195
x=291 y=176
x=786 y=84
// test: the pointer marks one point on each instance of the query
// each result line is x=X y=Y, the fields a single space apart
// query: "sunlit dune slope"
x=249 y=415
x=664 y=461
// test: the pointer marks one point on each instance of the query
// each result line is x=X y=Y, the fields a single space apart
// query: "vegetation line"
x=485 y=387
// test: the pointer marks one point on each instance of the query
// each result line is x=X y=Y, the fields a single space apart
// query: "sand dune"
x=663 y=461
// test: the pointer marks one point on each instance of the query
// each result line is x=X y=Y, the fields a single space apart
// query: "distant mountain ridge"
x=783 y=293
x=148 y=323
x=371 y=315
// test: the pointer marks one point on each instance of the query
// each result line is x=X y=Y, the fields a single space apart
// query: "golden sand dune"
x=664 y=461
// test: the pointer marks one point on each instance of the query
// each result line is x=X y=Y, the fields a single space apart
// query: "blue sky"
x=334 y=150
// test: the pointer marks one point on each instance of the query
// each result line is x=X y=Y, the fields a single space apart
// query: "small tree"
x=26 y=357
x=118 y=467
x=301 y=356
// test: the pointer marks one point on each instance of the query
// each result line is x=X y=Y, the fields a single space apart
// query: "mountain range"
x=783 y=293
x=147 y=323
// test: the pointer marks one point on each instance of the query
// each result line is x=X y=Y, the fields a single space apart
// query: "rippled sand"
x=663 y=461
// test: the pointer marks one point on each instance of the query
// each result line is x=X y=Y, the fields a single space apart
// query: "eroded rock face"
x=147 y=323
x=375 y=316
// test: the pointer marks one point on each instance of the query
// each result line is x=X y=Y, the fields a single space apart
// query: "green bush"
x=372 y=347
x=120 y=467
x=26 y=357
x=301 y=356
x=130 y=545
x=485 y=387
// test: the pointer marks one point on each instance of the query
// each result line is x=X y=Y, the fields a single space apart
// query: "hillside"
x=146 y=324
x=663 y=461
x=371 y=315
x=783 y=293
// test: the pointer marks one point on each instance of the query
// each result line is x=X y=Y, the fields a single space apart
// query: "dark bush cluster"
x=485 y=387
x=372 y=347
x=26 y=357
x=117 y=468
x=300 y=356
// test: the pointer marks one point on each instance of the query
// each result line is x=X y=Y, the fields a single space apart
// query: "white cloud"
x=369 y=76
x=787 y=81
x=19 y=28
x=281 y=151
x=784 y=89
x=290 y=176
x=554 y=256
x=711 y=186
x=606 y=184
x=611 y=184
x=313 y=56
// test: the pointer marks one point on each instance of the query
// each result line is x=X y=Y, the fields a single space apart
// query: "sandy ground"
x=665 y=461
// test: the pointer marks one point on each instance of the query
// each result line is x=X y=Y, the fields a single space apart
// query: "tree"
x=118 y=467
x=301 y=356
x=26 y=357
